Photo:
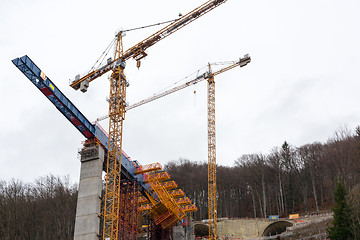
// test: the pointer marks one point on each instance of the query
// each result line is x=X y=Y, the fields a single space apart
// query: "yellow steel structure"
x=212 y=203
x=212 y=193
x=183 y=201
x=176 y=193
x=148 y=168
x=143 y=200
x=170 y=211
x=163 y=206
x=161 y=176
x=189 y=208
x=145 y=207
x=117 y=105
x=166 y=211
x=168 y=185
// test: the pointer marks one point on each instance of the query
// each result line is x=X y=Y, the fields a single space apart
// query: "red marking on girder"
x=46 y=91
x=76 y=121
x=88 y=134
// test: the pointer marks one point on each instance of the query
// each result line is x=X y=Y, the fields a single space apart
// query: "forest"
x=287 y=180
x=44 y=209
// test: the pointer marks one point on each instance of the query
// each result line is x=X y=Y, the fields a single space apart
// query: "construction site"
x=130 y=195
x=122 y=199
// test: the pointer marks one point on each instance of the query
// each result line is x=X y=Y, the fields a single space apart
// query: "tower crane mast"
x=117 y=104
x=212 y=203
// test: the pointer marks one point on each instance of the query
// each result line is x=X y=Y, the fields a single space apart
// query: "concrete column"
x=178 y=233
x=87 y=219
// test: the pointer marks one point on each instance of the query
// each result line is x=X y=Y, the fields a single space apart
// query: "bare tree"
x=44 y=210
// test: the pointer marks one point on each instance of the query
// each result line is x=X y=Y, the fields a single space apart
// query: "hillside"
x=287 y=180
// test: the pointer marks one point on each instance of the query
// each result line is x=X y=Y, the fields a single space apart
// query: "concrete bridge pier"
x=87 y=219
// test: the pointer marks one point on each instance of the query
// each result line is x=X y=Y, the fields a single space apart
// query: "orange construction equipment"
x=148 y=168
x=189 y=208
x=176 y=193
x=161 y=176
x=183 y=201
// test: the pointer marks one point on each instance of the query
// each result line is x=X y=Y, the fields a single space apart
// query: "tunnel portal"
x=276 y=228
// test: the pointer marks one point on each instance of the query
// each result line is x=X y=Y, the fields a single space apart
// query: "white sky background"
x=301 y=86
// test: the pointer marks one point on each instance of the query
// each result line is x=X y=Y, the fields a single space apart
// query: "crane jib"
x=241 y=63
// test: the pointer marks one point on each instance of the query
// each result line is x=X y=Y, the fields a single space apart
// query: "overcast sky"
x=301 y=86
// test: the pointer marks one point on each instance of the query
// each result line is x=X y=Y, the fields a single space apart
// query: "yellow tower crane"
x=212 y=193
x=209 y=76
x=117 y=104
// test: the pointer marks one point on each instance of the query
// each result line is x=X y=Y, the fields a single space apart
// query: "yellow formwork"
x=183 y=201
x=168 y=211
x=148 y=168
x=160 y=176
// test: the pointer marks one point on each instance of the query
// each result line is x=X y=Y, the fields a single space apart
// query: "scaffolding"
x=167 y=212
x=148 y=168
x=183 y=201
x=166 y=205
x=161 y=176
x=176 y=193
x=128 y=214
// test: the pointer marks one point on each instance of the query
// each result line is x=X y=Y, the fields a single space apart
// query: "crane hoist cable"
x=151 y=25
x=111 y=45
x=197 y=73
x=103 y=55
x=181 y=80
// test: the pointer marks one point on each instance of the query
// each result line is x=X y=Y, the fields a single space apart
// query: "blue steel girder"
x=70 y=111
x=49 y=89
